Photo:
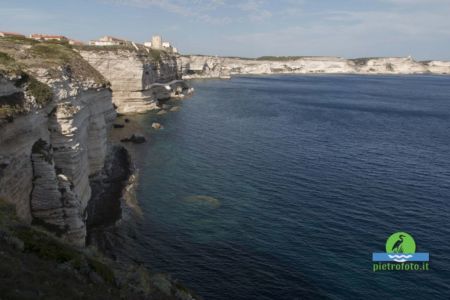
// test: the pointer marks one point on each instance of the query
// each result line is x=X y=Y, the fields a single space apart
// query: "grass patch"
x=19 y=40
x=103 y=270
x=49 y=248
x=58 y=58
x=8 y=112
x=8 y=65
x=53 y=52
x=45 y=246
x=104 y=48
x=40 y=91
x=155 y=55
x=11 y=105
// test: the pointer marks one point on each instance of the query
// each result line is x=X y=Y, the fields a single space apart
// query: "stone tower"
x=156 y=42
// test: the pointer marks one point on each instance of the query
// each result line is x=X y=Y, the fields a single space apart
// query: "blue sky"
x=348 y=28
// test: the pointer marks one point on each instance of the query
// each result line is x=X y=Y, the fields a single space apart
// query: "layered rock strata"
x=49 y=149
x=197 y=66
x=138 y=78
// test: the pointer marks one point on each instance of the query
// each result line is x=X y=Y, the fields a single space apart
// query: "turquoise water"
x=281 y=187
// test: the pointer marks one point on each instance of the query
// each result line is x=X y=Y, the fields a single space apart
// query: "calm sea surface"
x=281 y=187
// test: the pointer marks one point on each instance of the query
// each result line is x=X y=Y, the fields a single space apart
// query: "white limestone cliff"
x=136 y=76
x=196 y=66
x=56 y=108
x=48 y=151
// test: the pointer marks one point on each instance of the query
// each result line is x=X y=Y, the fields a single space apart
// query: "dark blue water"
x=308 y=176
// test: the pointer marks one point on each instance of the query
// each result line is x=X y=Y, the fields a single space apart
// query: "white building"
x=108 y=41
x=12 y=34
x=75 y=42
x=47 y=37
x=156 y=42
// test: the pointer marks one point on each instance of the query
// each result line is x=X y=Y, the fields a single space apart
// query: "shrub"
x=40 y=91
x=19 y=40
x=55 y=52
x=155 y=55
x=45 y=246
x=8 y=64
x=102 y=269
x=390 y=67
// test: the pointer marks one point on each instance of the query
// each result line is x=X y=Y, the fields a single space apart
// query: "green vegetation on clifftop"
x=57 y=58
x=37 y=265
x=11 y=105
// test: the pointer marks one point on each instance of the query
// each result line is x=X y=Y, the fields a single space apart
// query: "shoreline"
x=194 y=67
x=318 y=75
x=127 y=201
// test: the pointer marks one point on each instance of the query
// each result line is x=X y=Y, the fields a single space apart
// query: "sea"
x=282 y=186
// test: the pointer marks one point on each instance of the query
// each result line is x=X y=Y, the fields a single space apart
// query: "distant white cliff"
x=197 y=66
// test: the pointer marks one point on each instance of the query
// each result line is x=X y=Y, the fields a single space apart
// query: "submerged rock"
x=213 y=202
x=157 y=126
x=162 y=112
x=135 y=138
x=175 y=108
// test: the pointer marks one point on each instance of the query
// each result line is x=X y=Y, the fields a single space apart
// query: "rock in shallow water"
x=203 y=199
x=135 y=138
x=157 y=126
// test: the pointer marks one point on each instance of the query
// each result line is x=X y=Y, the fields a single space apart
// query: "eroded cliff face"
x=50 y=149
x=223 y=67
x=56 y=108
x=47 y=157
x=135 y=75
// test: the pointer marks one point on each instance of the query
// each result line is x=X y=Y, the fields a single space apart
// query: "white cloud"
x=349 y=33
x=195 y=9
x=208 y=11
x=255 y=9
x=290 y=27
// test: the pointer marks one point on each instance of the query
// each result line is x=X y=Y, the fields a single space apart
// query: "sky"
x=249 y=28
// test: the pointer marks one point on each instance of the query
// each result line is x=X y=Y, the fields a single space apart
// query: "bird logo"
x=397 y=247
x=400 y=248
x=401 y=243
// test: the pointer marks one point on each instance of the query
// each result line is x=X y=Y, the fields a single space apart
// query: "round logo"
x=400 y=242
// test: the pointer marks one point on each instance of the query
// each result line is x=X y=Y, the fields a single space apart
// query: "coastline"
x=203 y=67
x=61 y=172
x=68 y=153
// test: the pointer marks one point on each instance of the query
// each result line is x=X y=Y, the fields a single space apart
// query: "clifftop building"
x=158 y=44
x=75 y=42
x=47 y=37
x=11 y=34
x=108 y=41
